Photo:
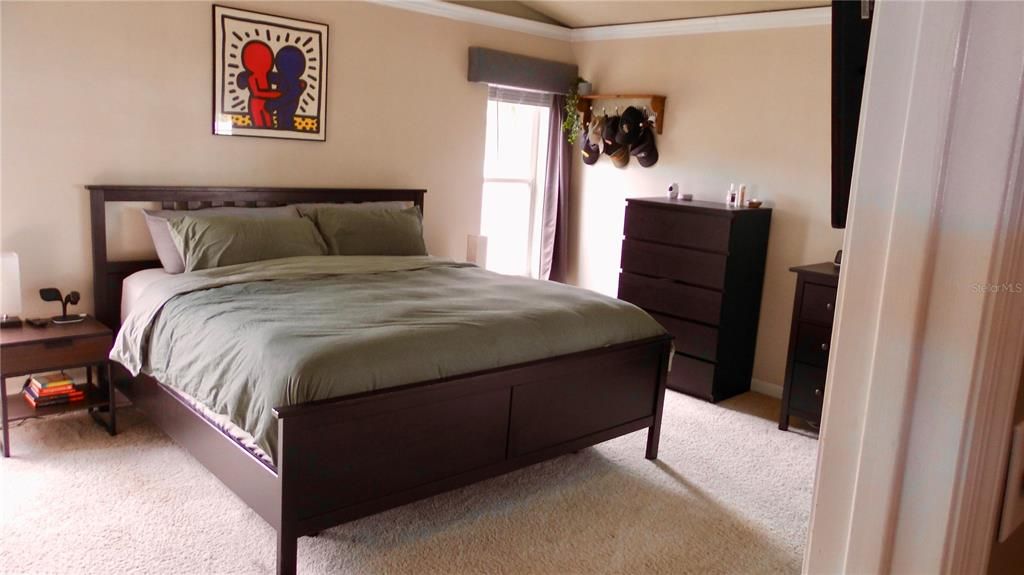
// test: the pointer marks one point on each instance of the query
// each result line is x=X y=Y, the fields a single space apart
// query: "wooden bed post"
x=287 y=550
x=654 y=431
x=287 y=528
x=98 y=218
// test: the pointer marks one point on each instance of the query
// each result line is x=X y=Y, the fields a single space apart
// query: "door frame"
x=926 y=355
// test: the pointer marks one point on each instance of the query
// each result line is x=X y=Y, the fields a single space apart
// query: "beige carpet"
x=730 y=494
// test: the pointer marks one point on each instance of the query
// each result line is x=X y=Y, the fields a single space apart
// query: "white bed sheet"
x=135 y=284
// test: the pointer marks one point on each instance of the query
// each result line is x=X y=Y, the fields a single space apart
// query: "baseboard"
x=766 y=388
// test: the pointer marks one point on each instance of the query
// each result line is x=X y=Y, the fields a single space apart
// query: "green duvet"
x=247 y=338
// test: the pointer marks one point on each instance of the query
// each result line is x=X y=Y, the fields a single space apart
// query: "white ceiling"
x=587 y=13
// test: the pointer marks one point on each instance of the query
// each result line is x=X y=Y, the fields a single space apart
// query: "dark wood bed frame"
x=345 y=458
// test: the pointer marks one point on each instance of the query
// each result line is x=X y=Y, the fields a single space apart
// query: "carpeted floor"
x=730 y=494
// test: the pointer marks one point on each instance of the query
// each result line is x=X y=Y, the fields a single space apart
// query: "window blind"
x=511 y=96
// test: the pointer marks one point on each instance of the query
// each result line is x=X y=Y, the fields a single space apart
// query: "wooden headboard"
x=108 y=276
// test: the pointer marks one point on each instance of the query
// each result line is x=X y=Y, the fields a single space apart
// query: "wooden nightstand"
x=810 y=337
x=27 y=350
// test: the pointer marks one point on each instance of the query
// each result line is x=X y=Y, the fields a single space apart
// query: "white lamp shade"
x=10 y=284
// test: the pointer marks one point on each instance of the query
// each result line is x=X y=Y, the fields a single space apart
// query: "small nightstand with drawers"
x=30 y=350
x=809 y=339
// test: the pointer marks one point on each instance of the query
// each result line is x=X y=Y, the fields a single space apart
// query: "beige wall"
x=121 y=93
x=742 y=107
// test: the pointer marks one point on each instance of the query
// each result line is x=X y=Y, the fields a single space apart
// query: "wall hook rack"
x=586 y=106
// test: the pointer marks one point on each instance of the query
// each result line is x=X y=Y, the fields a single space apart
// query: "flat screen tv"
x=851 y=32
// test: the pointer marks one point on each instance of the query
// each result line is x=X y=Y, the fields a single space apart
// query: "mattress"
x=134 y=285
x=241 y=436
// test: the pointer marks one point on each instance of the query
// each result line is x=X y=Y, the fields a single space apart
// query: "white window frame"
x=537 y=181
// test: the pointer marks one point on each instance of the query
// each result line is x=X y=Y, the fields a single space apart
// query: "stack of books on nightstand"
x=51 y=389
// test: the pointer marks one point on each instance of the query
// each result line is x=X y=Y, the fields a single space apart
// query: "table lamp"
x=10 y=290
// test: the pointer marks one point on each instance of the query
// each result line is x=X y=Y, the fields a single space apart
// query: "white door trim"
x=889 y=227
x=985 y=445
x=931 y=179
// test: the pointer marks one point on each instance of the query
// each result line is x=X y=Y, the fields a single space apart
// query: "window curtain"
x=554 y=252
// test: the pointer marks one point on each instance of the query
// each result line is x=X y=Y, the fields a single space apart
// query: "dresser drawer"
x=677 y=228
x=819 y=303
x=54 y=354
x=812 y=344
x=807 y=389
x=682 y=264
x=691 y=338
x=669 y=297
x=692 y=376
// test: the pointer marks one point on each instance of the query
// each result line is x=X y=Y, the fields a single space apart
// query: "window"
x=515 y=166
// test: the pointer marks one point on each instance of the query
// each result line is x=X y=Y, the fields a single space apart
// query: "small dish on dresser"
x=754 y=203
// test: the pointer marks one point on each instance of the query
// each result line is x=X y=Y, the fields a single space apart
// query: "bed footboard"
x=350 y=457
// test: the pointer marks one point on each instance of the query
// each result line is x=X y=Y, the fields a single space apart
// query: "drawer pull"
x=55 y=343
x=817 y=392
x=828 y=306
x=824 y=347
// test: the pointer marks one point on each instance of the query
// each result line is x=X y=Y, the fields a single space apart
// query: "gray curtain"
x=554 y=254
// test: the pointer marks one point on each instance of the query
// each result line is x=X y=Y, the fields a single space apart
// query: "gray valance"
x=520 y=72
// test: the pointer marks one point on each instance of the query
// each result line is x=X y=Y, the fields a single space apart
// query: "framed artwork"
x=269 y=76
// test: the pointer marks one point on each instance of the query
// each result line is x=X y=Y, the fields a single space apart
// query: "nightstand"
x=28 y=350
x=810 y=337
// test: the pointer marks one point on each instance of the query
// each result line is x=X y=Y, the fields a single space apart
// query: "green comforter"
x=247 y=338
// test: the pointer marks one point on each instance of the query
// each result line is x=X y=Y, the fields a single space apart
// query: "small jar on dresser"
x=698 y=268
x=810 y=338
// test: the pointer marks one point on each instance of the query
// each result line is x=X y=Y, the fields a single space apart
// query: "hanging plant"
x=573 y=124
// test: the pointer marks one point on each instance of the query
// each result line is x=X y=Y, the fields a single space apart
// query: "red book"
x=57 y=400
x=52 y=391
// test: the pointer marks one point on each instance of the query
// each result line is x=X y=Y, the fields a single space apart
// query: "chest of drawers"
x=698 y=268
x=809 y=340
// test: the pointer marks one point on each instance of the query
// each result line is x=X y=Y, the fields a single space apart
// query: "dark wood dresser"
x=809 y=339
x=698 y=268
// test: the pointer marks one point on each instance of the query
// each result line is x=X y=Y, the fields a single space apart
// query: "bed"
x=318 y=460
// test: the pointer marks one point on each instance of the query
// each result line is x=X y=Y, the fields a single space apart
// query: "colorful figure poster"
x=270 y=76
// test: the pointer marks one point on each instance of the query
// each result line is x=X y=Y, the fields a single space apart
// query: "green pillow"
x=217 y=241
x=370 y=231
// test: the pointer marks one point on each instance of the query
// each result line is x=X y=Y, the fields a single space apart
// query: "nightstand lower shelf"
x=18 y=408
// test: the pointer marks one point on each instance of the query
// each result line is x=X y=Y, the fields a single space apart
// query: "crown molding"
x=483 y=17
x=798 y=18
x=712 y=24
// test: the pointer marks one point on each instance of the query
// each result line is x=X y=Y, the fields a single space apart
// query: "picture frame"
x=269 y=75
